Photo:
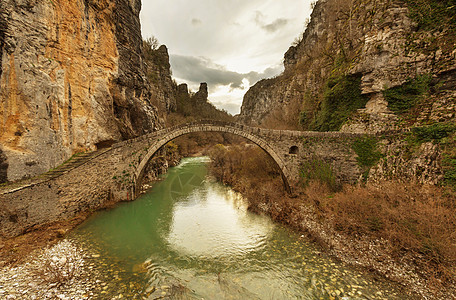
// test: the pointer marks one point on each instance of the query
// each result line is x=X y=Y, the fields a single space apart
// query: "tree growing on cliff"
x=151 y=43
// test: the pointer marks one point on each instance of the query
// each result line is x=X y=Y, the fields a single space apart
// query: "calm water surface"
x=192 y=238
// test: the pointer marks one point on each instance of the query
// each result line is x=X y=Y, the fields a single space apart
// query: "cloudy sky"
x=230 y=44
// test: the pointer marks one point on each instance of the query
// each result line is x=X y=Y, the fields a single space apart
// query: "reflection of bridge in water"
x=115 y=173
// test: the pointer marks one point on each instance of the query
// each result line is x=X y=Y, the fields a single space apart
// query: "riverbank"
x=14 y=251
x=119 y=254
x=403 y=232
x=62 y=271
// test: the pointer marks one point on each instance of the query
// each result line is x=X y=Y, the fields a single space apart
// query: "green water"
x=193 y=238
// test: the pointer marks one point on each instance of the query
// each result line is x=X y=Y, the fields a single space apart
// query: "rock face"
x=202 y=94
x=72 y=78
x=162 y=86
x=195 y=105
x=378 y=46
x=275 y=102
x=373 y=40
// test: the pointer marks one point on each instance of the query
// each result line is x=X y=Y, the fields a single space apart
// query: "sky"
x=230 y=44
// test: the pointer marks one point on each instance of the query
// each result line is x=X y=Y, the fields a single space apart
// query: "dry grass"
x=414 y=218
x=417 y=220
x=232 y=164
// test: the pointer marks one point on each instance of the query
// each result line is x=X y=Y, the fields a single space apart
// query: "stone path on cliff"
x=74 y=162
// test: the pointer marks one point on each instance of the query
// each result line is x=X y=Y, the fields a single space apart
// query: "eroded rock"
x=72 y=76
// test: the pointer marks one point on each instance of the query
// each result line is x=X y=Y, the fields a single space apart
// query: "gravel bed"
x=60 y=272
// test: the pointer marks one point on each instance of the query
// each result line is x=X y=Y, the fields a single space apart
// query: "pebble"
x=22 y=282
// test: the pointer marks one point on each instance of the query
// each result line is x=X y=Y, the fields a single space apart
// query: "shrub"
x=232 y=163
x=366 y=149
x=403 y=98
x=412 y=217
x=316 y=169
x=342 y=97
x=449 y=169
x=368 y=154
x=444 y=135
x=433 y=14
x=434 y=132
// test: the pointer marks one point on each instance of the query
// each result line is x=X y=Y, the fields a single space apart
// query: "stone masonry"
x=115 y=174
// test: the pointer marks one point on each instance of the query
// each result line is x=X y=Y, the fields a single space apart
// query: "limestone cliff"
x=351 y=52
x=196 y=106
x=72 y=79
x=158 y=71
x=370 y=66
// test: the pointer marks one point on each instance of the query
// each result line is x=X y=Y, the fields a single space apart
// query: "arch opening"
x=293 y=150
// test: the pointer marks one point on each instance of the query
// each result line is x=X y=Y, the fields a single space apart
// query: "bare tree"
x=152 y=42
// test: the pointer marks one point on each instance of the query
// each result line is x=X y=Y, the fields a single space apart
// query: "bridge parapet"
x=245 y=128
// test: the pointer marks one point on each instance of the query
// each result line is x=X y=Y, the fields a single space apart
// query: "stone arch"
x=178 y=131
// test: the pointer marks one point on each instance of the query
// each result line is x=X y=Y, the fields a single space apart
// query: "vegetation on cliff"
x=341 y=97
x=368 y=153
x=382 y=226
x=196 y=106
x=433 y=14
x=319 y=170
x=441 y=134
x=356 y=51
x=402 y=99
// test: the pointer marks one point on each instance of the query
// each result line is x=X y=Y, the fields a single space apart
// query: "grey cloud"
x=199 y=69
x=196 y=22
x=271 y=27
x=276 y=25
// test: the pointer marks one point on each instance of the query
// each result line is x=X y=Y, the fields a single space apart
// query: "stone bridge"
x=115 y=174
x=284 y=146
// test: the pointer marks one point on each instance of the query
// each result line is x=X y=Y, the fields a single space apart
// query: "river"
x=190 y=237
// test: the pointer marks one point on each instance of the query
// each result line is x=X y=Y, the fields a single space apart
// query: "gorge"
x=361 y=124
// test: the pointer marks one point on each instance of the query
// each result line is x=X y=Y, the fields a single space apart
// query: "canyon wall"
x=158 y=72
x=372 y=66
x=72 y=79
x=366 y=45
